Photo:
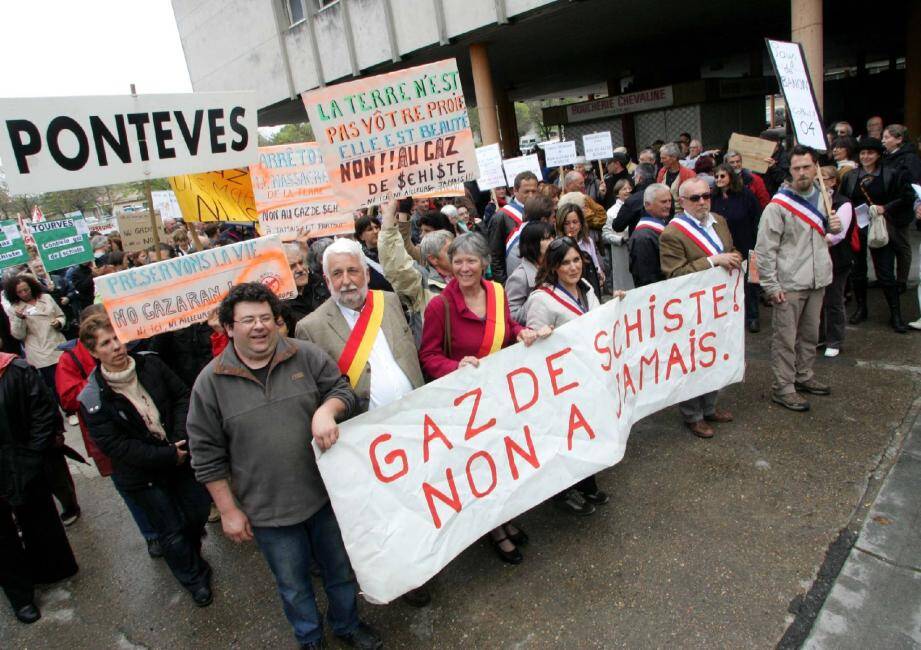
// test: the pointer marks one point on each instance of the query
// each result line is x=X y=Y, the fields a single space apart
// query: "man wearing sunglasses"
x=795 y=267
x=697 y=240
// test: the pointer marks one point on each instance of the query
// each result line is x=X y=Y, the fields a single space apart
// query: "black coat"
x=185 y=351
x=139 y=458
x=29 y=422
x=742 y=213
x=906 y=160
x=895 y=193
x=631 y=211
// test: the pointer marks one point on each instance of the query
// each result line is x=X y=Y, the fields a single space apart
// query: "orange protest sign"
x=293 y=194
x=225 y=195
x=394 y=135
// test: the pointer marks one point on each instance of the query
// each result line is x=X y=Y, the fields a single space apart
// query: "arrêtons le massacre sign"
x=62 y=143
x=175 y=293
x=293 y=194
x=414 y=483
x=394 y=135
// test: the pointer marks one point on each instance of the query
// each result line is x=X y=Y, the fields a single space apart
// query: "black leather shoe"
x=519 y=537
x=859 y=315
x=754 y=326
x=363 y=637
x=203 y=596
x=510 y=557
x=571 y=501
x=598 y=498
x=28 y=613
x=154 y=549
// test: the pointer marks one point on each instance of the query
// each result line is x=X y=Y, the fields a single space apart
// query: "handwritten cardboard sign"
x=802 y=107
x=293 y=194
x=489 y=159
x=137 y=232
x=598 y=146
x=225 y=195
x=12 y=246
x=514 y=166
x=394 y=135
x=560 y=153
x=416 y=482
x=754 y=151
x=175 y=293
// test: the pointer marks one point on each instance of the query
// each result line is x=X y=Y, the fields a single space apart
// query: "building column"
x=485 y=94
x=806 y=29
x=913 y=72
x=508 y=124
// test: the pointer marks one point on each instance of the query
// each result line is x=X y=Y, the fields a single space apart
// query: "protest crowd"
x=424 y=287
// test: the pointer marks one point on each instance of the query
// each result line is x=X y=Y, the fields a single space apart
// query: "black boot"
x=860 y=296
x=895 y=309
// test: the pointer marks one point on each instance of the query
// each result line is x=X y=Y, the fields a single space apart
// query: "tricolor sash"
x=648 y=223
x=358 y=348
x=566 y=299
x=697 y=234
x=801 y=208
x=494 y=333
x=516 y=214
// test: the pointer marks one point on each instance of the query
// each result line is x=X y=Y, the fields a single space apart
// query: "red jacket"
x=759 y=189
x=683 y=174
x=70 y=378
x=467 y=331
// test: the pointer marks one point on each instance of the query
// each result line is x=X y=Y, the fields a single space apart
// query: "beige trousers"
x=796 y=335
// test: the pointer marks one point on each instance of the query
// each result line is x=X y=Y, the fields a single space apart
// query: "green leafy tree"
x=290 y=133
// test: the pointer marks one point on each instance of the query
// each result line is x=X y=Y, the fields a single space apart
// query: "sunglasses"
x=561 y=241
x=722 y=176
x=694 y=198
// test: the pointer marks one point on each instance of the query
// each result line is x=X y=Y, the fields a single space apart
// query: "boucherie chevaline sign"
x=61 y=143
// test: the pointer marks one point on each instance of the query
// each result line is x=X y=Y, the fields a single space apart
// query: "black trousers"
x=883 y=263
x=57 y=473
x=178 y=508
x=42 y=555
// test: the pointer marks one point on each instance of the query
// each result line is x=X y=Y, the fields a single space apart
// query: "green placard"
x=62 y=243
x=12 y=247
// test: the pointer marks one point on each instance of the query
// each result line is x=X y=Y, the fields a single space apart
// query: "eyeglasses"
x=722 y=176
x=250 y=321
x=694 y=198
x=561 y=241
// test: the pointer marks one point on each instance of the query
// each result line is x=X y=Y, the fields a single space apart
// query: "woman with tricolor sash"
x=469 y=320
x=563 y=295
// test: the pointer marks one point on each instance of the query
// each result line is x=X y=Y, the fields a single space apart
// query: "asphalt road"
x=705 y=542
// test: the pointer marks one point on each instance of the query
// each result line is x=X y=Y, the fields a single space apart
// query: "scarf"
x=125 y=383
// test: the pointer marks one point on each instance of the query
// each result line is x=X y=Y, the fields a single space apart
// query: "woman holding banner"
x=469 y=320
x=563 y=295
x=37 y=321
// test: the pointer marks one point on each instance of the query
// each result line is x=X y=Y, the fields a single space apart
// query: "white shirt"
x=388 y=381
x=707 y=224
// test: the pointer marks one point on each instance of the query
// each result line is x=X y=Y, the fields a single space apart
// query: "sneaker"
x=812 y=387
x=214 y=515
x=70 y=517
x=792 y=401
x=832 y=352
x=572 y=502
x=915 y=324
x=154 y=549
x=363 y=637
x=73 y=420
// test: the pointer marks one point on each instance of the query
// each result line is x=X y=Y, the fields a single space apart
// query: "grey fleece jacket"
x=259 y=436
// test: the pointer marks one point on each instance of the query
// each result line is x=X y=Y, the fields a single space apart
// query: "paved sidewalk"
x=876 y=599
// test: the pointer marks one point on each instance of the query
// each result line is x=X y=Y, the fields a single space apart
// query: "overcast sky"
x=90 y=47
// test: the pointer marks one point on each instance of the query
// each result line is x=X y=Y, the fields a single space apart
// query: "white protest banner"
x=416 y=482
x=63 y=143
x=137 y=232
x=754 y=151
x=514 y=166
x=560 y=153
x=394 y=135
x=802 y=107
x=598 y=146
x=293 y=193
x=165 y=202
x=174 y=293
x=489 y=160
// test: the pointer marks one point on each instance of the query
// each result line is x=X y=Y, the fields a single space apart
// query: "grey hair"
x=644 y=172
x=343 y=246
x=470 y=242
x=572 y=177
x=731 y=153
x=670 y=149
x=295 y=249
x=686 y=184
x=850 y=129
x=433 y=242
x=649 y=194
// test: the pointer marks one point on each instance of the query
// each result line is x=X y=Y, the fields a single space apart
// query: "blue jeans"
x=289 y=551
x=177 y=507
